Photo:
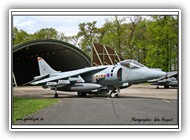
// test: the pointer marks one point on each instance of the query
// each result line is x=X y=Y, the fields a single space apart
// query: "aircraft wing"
x=171 y=74
x=70 y=75
x=37 y=78
x=155 y=80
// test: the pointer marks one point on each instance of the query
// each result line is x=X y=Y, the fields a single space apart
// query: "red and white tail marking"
x=39 y=58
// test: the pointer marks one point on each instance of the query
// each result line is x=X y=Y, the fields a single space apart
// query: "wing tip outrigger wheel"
x=56 y=95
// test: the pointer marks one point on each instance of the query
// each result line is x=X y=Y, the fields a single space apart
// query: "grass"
x=23 y=107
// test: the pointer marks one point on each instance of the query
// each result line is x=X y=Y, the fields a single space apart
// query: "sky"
x=66 y=24
x=69 y=25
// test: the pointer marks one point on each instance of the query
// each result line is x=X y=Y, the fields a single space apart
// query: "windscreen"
x=131 y=64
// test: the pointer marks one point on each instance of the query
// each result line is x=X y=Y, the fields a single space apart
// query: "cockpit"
x=131 y=64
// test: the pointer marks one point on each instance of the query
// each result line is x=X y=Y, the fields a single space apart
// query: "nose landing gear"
x=114 y=93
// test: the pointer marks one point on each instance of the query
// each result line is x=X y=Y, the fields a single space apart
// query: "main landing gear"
x=56 y=95
x=82 y=94
x=114 y=93
x=157 y=85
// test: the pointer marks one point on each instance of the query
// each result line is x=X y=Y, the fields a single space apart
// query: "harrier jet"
x=167 y=82
x=95 y=80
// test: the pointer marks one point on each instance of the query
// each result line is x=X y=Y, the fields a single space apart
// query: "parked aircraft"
x=95 y=80
x=168 y=81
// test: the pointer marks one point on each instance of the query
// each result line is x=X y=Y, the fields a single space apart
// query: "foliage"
x=113 y=34
x=87 y=34
x=151 y=40
x=46 y=33
x=163 y=45
x=20 y=36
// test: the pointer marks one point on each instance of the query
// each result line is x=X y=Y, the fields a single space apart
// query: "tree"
x=113 y=34
x=163 y=44
x=20 y=36
x=45 y=33
x=140 y=39
x=134 y=35
x=152 y=41
x=86 y=34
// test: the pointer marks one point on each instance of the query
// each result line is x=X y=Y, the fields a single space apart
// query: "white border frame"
x=96 y=12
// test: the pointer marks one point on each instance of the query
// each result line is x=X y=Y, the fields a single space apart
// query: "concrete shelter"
x=60 y=55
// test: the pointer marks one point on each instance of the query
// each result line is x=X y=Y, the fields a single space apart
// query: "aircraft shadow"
x=102 y=97
x=67 y=96
x=160 y=87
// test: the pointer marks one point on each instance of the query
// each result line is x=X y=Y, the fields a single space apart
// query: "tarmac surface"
x=138 y=104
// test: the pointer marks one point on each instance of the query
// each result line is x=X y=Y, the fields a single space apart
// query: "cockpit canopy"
x=131 y=64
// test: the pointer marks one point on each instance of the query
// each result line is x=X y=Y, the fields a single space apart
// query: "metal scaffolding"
x=14 y=80
x=103 y=55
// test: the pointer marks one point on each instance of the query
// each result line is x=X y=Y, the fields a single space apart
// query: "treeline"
x=152 y=40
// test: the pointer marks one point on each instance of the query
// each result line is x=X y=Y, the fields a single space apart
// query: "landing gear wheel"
x=117 y=96
x=56 y=95
x=166 y=86
x=82 y=94
x=157 y=86
x=113 y=94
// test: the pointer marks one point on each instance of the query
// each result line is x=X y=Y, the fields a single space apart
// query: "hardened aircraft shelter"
x=60 y=55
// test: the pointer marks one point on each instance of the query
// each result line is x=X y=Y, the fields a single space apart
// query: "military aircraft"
x=170 y=80
x=95 y=80
x=167 y=82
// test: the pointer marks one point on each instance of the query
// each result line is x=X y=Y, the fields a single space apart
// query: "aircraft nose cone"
x=161 y=73
x=154 y=74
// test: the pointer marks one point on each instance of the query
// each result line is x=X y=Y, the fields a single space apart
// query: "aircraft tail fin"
x=44 y=67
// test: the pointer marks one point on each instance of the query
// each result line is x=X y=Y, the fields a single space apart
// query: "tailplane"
x=44 y=67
